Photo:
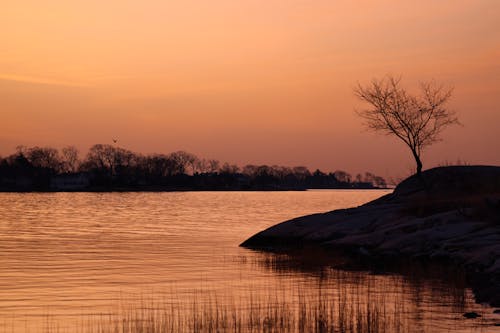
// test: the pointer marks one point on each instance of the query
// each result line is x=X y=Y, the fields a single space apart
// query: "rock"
x=471 y=315
x=413 y=222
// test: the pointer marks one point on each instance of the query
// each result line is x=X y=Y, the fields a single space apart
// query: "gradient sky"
x=245 y=81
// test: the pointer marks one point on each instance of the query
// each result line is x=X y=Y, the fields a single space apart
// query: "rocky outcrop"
x=450 y=213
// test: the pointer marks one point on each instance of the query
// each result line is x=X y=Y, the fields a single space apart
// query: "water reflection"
x=422 y=296
x=80 y=261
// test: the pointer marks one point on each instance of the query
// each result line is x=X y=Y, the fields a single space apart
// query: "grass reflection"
x=325 y=300
x=349 y=310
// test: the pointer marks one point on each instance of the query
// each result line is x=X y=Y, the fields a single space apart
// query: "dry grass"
x=331 y=301
x=270 y=313
x=336 y=301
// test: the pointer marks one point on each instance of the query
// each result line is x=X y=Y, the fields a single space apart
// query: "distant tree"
x=44 y=157
x=112 y=167
x=417 y=120
x=343 y=176
x=155 y=166
x=213 y=165
x=125 y=158
x=16 y=163
x=301 y=172
x=369 y=177
x=109 y=159
x=69 y=159
x=379 y=181
x=201 y=165
x=281 y=172
x=183 y=162
x=319 y=173
x=359 y=178
x=249 y=170
x=263 y=171
x=100 y=157
x=21 y=150
x=374 y=180
x=229 y=168
x=206 y=165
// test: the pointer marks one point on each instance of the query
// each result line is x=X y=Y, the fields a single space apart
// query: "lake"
x=90 y=262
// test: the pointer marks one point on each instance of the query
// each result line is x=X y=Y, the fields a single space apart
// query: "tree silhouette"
x=342 y=176
x=44 y=157
x=417 y=120
x=108 y=167
x=69 y=159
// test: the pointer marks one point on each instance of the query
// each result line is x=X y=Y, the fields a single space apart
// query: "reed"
x=323 y=301
x=352 y=310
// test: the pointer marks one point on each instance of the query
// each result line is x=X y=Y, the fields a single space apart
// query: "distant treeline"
x=107 y=167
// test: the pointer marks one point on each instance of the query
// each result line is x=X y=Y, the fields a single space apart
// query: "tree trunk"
x=419 y=163
x=419 y=171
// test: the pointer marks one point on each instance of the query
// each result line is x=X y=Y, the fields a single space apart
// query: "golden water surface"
x=69 y=258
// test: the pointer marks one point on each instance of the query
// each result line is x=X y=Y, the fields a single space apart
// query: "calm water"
x=65 y=257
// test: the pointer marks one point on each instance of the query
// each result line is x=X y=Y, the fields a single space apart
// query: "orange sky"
x=244 y=81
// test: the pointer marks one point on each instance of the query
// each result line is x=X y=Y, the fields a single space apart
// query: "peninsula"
x=449 y=213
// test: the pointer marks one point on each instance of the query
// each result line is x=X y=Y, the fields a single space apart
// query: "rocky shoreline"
x=450 y=214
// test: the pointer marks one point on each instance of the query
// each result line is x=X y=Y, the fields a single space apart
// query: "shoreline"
x=455 y=219
x=132 y=190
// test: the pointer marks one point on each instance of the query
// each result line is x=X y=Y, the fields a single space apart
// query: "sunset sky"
x=245 y=81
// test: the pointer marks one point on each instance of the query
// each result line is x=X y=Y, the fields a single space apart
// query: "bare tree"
x=213 y=165
x=342 y=176
x=44 y=157
x=183 y=161
x=69 y=159
x=101 y=157
x=204 y=165
x=417 y=120
x=227 y=168
x=301 y=172
x=359 y=178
